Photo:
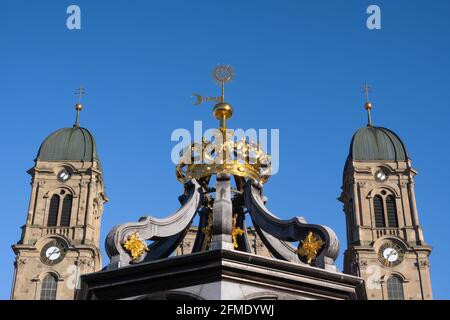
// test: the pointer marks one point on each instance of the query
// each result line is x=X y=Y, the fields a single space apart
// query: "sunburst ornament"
x=223 y=73
x=310 y=247
x=135 y=246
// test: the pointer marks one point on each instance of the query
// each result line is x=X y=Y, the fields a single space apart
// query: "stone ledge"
x=202 y=268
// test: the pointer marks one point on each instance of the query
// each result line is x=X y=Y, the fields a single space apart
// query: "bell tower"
x=60 y=239
x=385 y=241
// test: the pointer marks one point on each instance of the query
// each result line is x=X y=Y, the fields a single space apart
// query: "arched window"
x=53 y=211
x=48 y=288
x=66 y=211
x=379 y=212
x=395 y=288
x=391 y=208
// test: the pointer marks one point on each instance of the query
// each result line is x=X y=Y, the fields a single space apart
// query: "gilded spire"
x=78 y=106
x=368 y=104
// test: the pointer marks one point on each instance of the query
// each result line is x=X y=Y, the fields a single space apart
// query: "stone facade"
x=366 y=240
x=78 y=239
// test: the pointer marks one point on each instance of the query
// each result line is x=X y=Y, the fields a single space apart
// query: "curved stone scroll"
x=166 y=233
x=276 y=233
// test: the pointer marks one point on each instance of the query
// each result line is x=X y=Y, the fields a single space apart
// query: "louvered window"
x=391 y=208
x=66 y=211
x=379 y=212
x=53 y=211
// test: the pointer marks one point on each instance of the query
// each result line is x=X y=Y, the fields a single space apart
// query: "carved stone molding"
x=424 y=264
x=186 y=244
x=362 y=184
x=20 y=262
x=83 y=262
x=363 y=264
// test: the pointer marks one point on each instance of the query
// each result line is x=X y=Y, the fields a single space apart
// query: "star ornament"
x=310 y=247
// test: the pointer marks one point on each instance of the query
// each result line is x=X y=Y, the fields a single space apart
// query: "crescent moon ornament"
x=222 y=111
x=199 y=99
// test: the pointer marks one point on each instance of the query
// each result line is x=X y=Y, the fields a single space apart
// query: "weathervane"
x=78 y=106
x=241 y=158
x=222 y=111
x=368 y=105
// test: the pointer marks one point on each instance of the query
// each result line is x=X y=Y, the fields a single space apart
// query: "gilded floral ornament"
x=207 y=231
x=135 y=246
x=236 y=231
x=309 y=247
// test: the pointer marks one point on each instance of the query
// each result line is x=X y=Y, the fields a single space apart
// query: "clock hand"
x=52 y=253
x=393 y=254
x=47 y=257
x=57 y=251
x=389 y=255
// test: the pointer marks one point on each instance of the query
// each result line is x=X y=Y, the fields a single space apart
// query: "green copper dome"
x=377 y=143
x=69 y=144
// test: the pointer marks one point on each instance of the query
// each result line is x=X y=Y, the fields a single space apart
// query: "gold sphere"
x=78 y=107
x=222 y=111
x=368 y=106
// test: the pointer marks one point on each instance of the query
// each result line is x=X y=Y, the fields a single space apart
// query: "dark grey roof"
x=69 y=144
x=377 y=143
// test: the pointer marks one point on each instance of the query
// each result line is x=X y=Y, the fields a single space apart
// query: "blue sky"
x=299 y=68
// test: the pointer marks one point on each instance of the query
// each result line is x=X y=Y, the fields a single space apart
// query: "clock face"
x=381 y=176
x=390 y=254
x=53 y=252
x=63 y=175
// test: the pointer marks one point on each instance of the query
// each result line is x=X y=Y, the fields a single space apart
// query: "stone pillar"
x=356 y=205
x=404 y=206
x=222 y=215
x=357 y=215
x=412 y=198
x=32 y=205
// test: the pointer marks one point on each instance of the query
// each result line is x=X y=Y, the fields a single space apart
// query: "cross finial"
x=368 y=105
x=80 y=93
x=78 y=106
x=367 y=89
